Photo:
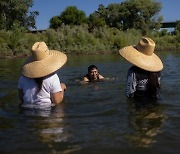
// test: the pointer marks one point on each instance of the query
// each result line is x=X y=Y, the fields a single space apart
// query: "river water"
x=95 y=117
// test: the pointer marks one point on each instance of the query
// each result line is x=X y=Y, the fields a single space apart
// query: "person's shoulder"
x=132 y=69
x=25 y=81
x=54 y=75
x=23 y=78
x=135 y=69
x=51 y=77
x=86 y=78
x=101 y=77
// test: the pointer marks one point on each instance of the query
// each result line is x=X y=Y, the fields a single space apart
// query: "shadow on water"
x=95 y=117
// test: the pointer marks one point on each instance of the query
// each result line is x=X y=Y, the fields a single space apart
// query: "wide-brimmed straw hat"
x=43 y=61
x=142 y=55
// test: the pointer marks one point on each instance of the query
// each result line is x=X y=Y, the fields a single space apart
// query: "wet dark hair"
x=91 y=67
x=39 y=82
x=153 y=84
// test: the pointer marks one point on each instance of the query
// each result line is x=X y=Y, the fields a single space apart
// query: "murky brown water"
x=94 y=118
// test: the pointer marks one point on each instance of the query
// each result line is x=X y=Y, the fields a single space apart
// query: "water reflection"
x=146 y=122
x=52 y=129
x=95 y=117
x=36 y=112
x=49 y=127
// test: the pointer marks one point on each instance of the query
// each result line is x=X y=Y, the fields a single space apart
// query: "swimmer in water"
x=93 y=74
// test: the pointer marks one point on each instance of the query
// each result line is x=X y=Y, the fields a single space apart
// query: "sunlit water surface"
x=95 y=117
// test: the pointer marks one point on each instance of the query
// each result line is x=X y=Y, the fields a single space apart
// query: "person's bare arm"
x=85 y=79
x=58 y=97
x=101 y=77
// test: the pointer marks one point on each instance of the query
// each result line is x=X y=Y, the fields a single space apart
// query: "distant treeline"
x=78 y=40
x=106 y=30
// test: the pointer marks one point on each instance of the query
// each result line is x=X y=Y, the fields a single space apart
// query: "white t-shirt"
x=32 y=99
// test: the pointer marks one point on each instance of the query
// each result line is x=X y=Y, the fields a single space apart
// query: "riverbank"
x=78 y=40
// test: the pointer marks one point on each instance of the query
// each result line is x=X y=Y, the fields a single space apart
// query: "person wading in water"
x=143 y=78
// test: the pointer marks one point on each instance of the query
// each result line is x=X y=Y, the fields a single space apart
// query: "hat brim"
x=150 y=63
x=37 y=69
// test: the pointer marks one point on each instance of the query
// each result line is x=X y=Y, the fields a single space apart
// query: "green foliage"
x=105 y=31
x=78 y=40
x=177 y=28
x=14 y=13
x=16 y=42
x=137 y=14
x=95 y=21
x=162 y=33
x=142 y=15
x=70 y=16
x=55 y=22
x=113 y=16
x=167 y=42
x=178 y=37
x=4 y=49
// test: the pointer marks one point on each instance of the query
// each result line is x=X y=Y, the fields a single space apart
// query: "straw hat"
x=43 y=61
x=142 y=55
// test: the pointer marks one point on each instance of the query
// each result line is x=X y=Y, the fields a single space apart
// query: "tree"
x=140 y=14
x=137 y=14
x=177 y=28
x=70 y=16
x=55 y=22
x=95 y=21
x=15 y=12
x=102 y=17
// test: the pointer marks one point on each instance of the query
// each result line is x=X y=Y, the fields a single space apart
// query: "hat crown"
x=40 y=51
x=146 y=46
